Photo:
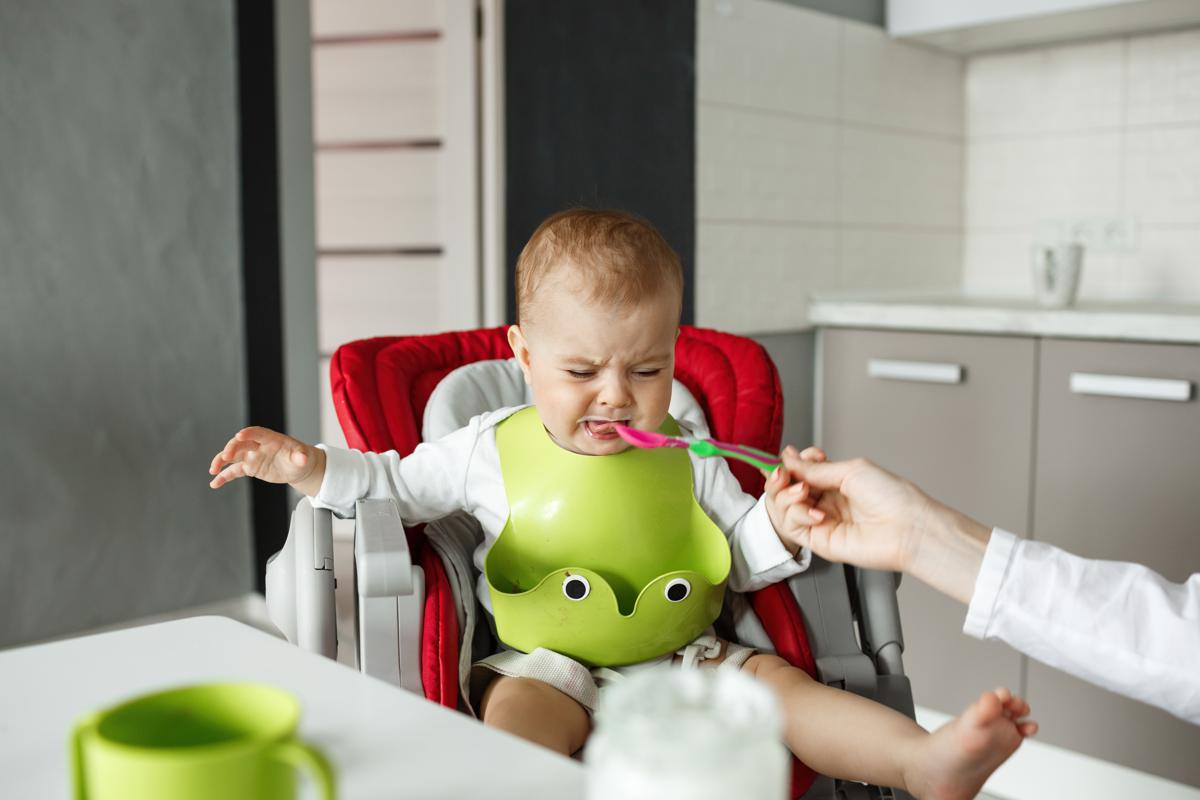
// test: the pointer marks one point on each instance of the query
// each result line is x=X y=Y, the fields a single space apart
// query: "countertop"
x=1146 y=322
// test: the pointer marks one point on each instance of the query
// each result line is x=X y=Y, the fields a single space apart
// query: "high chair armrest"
x=883 y=638
x=381 y=550
x=391 y=596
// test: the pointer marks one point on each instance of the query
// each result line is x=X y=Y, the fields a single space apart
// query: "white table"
x=384 y=742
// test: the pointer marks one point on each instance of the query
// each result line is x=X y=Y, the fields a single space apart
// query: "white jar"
x=699 y=734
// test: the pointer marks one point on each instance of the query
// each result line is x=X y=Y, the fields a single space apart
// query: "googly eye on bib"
x=576 y=587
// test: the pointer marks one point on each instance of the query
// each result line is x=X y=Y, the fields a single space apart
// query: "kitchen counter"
x=1145 y=322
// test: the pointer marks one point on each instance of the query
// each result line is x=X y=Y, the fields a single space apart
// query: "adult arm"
x=1119 y=625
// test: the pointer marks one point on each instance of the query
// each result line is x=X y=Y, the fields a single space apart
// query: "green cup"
x=219 y=740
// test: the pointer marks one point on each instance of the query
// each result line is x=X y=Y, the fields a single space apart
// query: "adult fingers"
x=777 y=479
x=820 y=475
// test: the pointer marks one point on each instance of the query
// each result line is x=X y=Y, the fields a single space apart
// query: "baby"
x=576 y=582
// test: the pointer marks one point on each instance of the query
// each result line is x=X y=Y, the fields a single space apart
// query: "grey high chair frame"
x=358 y=598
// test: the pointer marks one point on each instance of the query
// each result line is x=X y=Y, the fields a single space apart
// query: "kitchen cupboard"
x=967 y=440
x=975 y=26
x=1118 y=478
x=1025 y=433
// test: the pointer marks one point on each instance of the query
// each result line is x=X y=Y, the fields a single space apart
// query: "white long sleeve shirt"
x=1118 y=625
x=461 y=471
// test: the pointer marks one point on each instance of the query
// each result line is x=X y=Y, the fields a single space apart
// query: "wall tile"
x=1165 y=267
x=757 y=278
x=1164 y=78
x=1074 y=87
x=363 y=296
x=890 y=83
x=872 y=259
x=347 y=17
x=1162 y=175
x=764 y=166
x=997 y=264
x=767 y=55
x=899 y=179
x=378 y=198
x=331 y=429
x=377 y=91
x=1019 y=182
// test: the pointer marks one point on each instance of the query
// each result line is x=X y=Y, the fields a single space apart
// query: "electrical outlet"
x=1096 y=234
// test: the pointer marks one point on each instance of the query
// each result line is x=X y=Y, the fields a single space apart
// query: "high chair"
x=399 y=604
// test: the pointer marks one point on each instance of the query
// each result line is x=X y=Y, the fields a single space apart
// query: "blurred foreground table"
x=383 y=741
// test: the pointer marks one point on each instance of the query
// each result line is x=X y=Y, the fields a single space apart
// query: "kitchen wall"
x=121 y=326
x=828 y=157
x=1093 y=132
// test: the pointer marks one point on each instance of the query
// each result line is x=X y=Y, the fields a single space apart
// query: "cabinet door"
x=1118 y=478
x=968 y=443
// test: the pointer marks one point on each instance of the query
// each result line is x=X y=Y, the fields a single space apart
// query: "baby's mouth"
x=600 y=427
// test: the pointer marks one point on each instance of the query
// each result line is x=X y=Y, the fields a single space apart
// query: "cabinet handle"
x=1126 y=386
x=919 y=371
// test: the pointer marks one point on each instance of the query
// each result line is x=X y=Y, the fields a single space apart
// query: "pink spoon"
x=701 y=447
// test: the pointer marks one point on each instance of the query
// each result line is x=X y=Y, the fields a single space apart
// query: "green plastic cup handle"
x=308 y=759
x=83 y=726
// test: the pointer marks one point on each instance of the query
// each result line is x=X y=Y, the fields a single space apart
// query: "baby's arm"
x=427 y=484
x=269 y=456
x=758 y=554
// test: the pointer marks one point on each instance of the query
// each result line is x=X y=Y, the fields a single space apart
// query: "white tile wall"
x=1096 y=130
x=752 y=165
x=378 y=199
x=899 y=86
x=891 y=178
x=1164 y=78
x=828 y=157
x=370 y=17
x=376 y=296
x=754 y=277
x=767 y=56
x=377 y=91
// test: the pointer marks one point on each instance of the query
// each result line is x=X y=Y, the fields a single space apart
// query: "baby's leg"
x=843 y=735
x=535 y=711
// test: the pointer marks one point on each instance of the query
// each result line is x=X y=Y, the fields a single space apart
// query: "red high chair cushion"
x=380 y=388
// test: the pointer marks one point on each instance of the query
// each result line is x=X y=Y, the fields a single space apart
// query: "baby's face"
x=589 y=364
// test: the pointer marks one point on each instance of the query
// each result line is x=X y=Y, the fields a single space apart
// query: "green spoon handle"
x=705 y=448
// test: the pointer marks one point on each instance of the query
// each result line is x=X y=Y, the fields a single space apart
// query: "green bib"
x=606 y=559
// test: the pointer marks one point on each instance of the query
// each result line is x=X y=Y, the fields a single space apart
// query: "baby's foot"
x=956 y=759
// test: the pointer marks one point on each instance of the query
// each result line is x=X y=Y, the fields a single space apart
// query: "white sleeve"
x=1121 y=626
x=759 y=558
x=429 y=483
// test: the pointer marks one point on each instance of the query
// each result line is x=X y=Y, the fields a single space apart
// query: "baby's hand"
x=269 y=456
x=791 y=506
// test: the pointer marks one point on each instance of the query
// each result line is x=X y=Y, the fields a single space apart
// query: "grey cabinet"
x=969 y=442
x=1118 y=478
x=1009 y=441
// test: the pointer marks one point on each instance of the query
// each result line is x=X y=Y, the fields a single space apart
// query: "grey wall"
x=120 y=311
x=793 y=354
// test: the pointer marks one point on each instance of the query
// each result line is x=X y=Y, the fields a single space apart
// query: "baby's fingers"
x=230 y=473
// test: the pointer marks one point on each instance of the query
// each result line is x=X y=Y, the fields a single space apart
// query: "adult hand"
x=866 y=515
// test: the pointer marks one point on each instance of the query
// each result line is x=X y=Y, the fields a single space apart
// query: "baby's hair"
x=620 y=258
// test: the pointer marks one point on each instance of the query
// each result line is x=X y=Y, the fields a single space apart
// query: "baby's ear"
x=520 y=348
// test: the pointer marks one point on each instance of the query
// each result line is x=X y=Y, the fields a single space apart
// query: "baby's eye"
x=647 y=373
x=581 y=373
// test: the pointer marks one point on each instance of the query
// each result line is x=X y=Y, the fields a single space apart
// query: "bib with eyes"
x=606 y=559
